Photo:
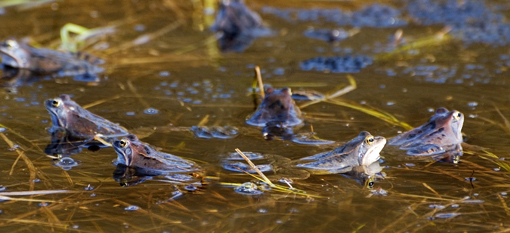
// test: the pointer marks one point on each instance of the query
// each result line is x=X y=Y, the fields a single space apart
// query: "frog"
x=238 y=26
x=356 y=156
x=68 y=115
x=20 y=55
x=363 y=150
x=441 y=134
x=277 y=106
x=132 y=152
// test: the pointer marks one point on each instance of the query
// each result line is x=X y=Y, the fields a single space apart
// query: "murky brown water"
x=186 y=79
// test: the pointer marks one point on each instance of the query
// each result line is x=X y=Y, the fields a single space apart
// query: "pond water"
x=164 y=73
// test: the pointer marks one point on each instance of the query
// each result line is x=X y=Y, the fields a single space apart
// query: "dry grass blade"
x=204 y=120
x=352 y=86
x=259 y=81
x=28 y=162
x=6 y=198
x=440 y=37
x=373 y=112
x=51 y=216
x=22 y=137
x=133 y=90
x=255 y=168
x=100 y=101
x=495 y=159
x=99 y=139
x=146 y=37
x=431 y=189
x=503 y=203
x=505 y=127
x=37 y=192
x=189 y=48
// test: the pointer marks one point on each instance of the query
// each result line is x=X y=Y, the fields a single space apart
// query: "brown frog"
x=277 y=106
x=67 y=114
x=134 y=153
x=46 y=61
x=442 y=133
x=361 y=151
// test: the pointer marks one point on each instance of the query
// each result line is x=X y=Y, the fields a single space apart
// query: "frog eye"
x=56 y=103
x=10 y=43
x=123 y=143
x=457 y=115
x=369 y=140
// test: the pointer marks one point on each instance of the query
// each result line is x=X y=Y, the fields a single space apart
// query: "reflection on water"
x=193 y=88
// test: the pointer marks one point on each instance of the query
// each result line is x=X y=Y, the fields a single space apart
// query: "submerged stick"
x=255 y=167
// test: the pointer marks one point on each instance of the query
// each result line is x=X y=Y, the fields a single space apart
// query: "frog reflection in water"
x=441 y=135
x=359 y=156
x=45 y=61
x=238 y=24
x=79 y=122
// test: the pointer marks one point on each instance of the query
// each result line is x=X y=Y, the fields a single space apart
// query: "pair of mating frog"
x=441 y=134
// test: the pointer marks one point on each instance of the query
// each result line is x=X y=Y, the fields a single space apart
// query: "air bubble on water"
x=132 y=208
x=472 y=104
x=435 y=206
x=130 y=113
x=164 y=73
x=262 y=211
x=151 y=111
